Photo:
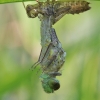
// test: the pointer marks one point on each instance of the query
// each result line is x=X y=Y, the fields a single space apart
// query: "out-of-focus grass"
x=20 y=47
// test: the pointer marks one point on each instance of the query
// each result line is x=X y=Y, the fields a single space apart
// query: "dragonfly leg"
x=53 y=51
x=61 y=12
x=41 y=57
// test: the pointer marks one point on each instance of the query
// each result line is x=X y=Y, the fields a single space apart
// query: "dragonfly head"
x=50 y=84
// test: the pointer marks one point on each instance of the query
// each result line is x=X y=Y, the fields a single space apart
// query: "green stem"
x=13 y=1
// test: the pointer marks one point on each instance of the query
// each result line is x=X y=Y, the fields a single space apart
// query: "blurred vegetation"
x=20 y=48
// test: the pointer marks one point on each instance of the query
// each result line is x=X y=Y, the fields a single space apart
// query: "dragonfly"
x=52 y=56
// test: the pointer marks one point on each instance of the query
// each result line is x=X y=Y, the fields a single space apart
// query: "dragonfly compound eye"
x=56 y=85
x=50 y=85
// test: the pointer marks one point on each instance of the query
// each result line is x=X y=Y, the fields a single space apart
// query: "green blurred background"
x=20 y=48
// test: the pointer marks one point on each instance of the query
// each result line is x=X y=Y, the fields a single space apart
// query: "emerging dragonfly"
x=52 y=55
